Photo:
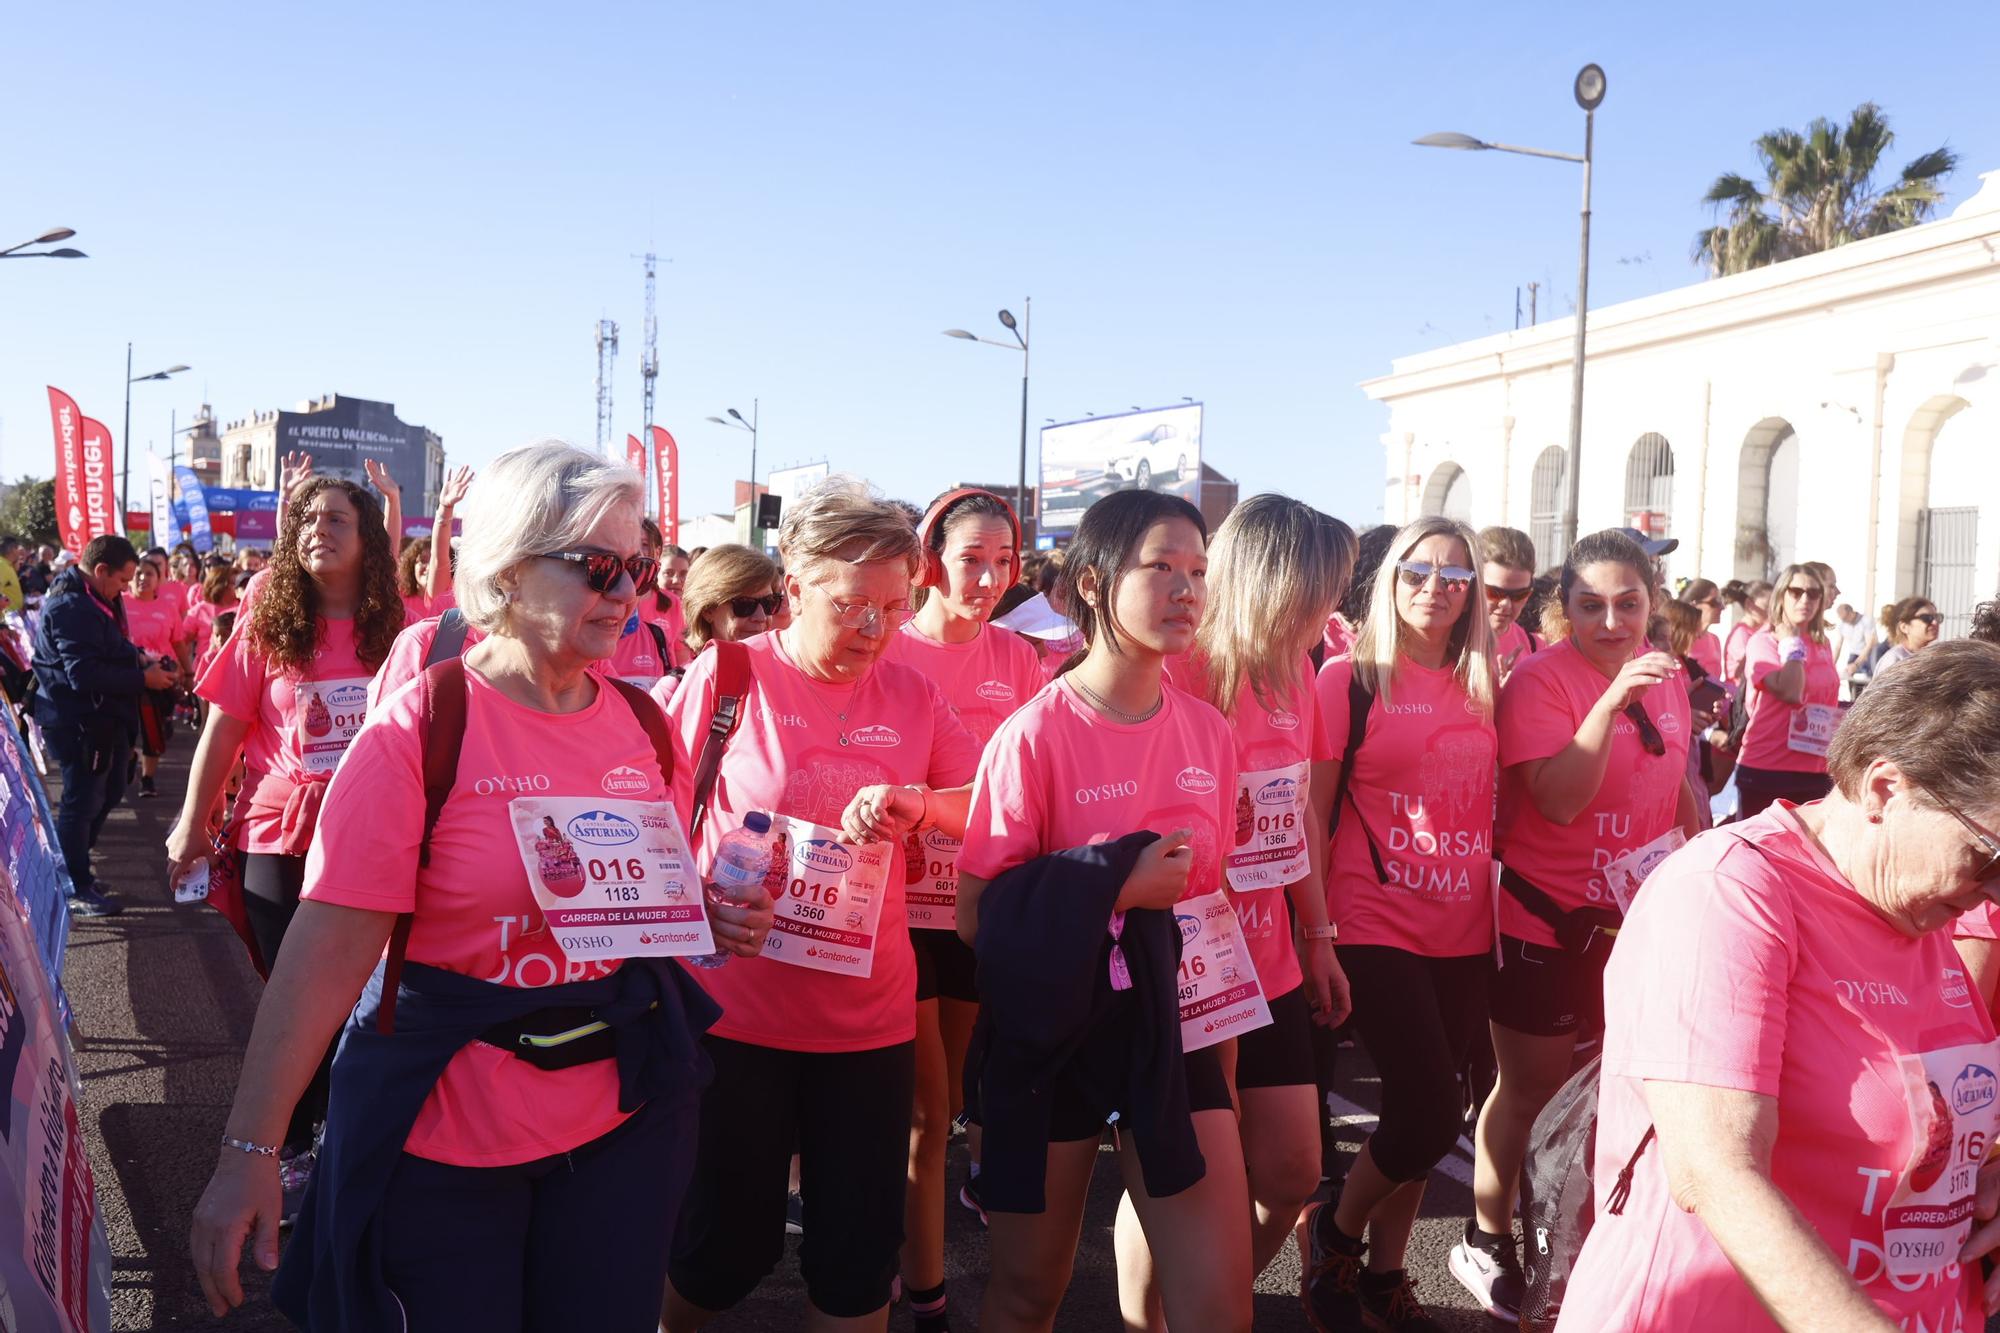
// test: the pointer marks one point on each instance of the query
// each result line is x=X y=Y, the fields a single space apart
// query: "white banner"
x=160 y=489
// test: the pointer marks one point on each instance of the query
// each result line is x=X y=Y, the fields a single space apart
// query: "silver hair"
x=530 y=501
x=842 y=520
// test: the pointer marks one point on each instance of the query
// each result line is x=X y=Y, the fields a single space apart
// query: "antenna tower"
x=607 y=353
x=649 y=367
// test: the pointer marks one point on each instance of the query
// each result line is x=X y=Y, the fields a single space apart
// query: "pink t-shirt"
x=1514 y=645
x=786 y=757
x=1339 y=639
x=1059 y=775
x=417 y=607
x=1707 y=650
x=670 y=618
x=984 y=679
x=155 y=626
x=1759 y=968
x=475 y=914
x=1981 y=923
x=199 y=623
x=1272 y=744
x=1423 y=790
x=636 y=659
x=193 y=595
x=1545 y=701
x=1733 y=649
x=1779 y=736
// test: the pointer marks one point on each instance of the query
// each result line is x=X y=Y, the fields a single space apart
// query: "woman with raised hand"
x=1101 y=804
x=514 y=1113
x=1410 y=889
x=1794 y=700
x=288 y=693
x=850 y=754
x=1593 y=791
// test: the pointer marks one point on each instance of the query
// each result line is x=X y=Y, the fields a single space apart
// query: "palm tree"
x=1819 y=192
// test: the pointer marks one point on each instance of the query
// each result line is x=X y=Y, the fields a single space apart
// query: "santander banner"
x=667 y=462
x=100 y=491
x=70 y=523
x=635 y=458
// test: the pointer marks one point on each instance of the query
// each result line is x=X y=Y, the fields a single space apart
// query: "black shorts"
x=1543 y=991
x=945 y=966
x=1279 y=1054
x=1072 y=1117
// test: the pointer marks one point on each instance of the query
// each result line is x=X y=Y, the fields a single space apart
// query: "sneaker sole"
x=1486 y=1302
x=967 y=1202
x=1302 y=1233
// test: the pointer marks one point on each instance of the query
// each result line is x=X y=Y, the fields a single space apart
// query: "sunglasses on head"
x=601 y=568
x=1494 y=594
x=745 y=607
x=1416 y=573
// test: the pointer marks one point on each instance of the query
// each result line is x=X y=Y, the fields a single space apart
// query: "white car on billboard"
x=1163 y=449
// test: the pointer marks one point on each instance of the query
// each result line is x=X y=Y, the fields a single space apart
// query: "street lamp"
x=49 y=237
x=125 y=469
x=1020 y=344
x=736 y=422
x=1589 y=91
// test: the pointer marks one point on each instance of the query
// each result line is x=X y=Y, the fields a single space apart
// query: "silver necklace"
x=838 y=715
x=1099 y=702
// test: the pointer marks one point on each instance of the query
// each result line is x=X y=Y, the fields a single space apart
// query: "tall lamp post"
x=1020 y=344
x=125 y=469
x=49 y=237
x=735 y=421
x=1589 y=90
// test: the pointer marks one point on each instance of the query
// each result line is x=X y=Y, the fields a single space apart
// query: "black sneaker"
x=94 y=903
x=795 y=1215
x=968 y=1197
x=1329 y=1279
x=1492 y=1275
x=146 y=787
x=1389 y=1304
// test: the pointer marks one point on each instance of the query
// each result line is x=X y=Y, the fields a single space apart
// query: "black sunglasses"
x=745 y=607
x=601 y=568
x=1928 y=617
x=1649 y=735
x=1494 y=594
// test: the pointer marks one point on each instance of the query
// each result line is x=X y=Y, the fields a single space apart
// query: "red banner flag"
x=667 y=463
x=100 y=484
x=635 y=458
x=69 y=470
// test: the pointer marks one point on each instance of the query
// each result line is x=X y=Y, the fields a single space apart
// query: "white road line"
x=1457 y=1164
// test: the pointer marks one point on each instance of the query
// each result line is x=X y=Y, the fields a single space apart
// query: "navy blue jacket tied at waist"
x=331 y=1279
x=1048 y=1010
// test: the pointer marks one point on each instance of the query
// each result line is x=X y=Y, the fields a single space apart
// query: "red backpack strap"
x=732 y=683
x=647 y=710
x=441 y=695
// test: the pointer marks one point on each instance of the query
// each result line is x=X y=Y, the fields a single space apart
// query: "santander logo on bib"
x=876 y=737
x=625 y=780
x=995 y=691
x=1195 y=781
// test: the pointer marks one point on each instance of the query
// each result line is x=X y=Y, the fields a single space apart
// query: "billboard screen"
x=1084 y=460
x=789 y=483
x=350 y=430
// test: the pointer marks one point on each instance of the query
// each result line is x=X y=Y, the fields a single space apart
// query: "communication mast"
x=649 y=364
x=607 y=353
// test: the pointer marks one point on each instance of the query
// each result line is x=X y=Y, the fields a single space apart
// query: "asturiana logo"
x=1195 y=781
x=1976 y=1086
x=624 y=780
x=601 y=828
x=997 y=691
x=1280 y=792
x=1190 y=927
x=1955 y=991
x=347 y=696
x=876 y=737
x=828 y=855
x=1283 y=721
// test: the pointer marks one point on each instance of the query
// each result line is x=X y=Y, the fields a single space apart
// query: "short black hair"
x=1369 y=551
x=109 y=550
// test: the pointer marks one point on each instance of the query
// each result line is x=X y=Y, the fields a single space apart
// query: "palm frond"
x=1938 y=162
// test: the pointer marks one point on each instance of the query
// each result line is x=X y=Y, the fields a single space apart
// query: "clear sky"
x=434 y=203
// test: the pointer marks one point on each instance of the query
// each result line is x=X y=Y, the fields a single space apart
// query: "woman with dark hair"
x=154 y=624
x=1753 y=610
x=1794 y=700
x=289 y=693
x=1111 y=753
x=1911 y=626
x=1705 y=597
x=1351 y=611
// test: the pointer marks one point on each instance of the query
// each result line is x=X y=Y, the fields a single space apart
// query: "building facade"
x=1840 y=407
x=339 y=433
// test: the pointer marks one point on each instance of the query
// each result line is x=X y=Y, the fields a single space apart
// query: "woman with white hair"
x=505 y=1083
x=851 y=753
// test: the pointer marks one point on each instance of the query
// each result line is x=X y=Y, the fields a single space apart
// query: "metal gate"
x=1545 y=507
x=1948 y=540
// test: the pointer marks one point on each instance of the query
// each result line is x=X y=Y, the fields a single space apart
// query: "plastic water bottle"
x=742 y=860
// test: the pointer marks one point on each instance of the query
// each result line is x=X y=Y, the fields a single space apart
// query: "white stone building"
x=1841 y=407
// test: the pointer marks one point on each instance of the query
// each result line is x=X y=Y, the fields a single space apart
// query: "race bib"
x=329 y=713
x=1812 y=728
x=1219 y=991
x=1624 y=875
x=1271 y=814
x=613 y=878
x=930 y=872
x=829 y=898
x=1952 y=1101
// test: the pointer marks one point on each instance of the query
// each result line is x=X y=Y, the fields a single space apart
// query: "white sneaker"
x=1494 y=1280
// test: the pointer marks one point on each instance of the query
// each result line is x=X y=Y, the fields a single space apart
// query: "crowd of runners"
x=624 y=908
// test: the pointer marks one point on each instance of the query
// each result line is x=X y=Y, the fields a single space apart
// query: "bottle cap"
x=757 y=822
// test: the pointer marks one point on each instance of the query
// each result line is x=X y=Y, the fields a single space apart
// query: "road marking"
x=1457 y=1164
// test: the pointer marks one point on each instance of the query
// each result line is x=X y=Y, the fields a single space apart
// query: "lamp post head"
x=961 y=333
x=1451 y=139
x=1007 y=319
x=739 y=417
x=1589 y=87
x=718 y=421
x=54 y=234
x=175 y=370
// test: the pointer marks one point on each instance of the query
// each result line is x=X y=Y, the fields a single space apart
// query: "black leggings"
x=1757 y=788
x=271 y=885
x=1416 y=1017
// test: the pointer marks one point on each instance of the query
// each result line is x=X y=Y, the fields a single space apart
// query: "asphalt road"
x=164 y=1000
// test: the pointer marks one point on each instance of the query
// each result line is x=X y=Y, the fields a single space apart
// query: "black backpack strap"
x=732 y=684
x=450 y=641
x=653 y=720
x=1359 y=702
x=660 y=642
x=1577 y=930
x=441 y=720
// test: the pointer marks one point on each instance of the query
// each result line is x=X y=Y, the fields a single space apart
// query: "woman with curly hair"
x=288 y=692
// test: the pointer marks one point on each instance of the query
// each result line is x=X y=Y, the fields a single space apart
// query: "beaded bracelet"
x=241 y=1145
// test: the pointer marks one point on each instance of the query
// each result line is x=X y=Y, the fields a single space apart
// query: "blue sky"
x=433 y=204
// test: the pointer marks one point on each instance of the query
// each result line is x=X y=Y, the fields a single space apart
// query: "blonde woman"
x=1276 y=570
x=732 y=595
x=1410 y=890
x=1794 y=699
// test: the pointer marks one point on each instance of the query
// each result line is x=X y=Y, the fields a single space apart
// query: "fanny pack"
x=558 y=1037
x=1579 y=930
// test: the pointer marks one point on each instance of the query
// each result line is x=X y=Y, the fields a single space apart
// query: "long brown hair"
x=284 y=624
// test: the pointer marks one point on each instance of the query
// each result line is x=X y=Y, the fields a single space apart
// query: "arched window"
x=1545 y=506
x=1649 y=485
x=1449 y=492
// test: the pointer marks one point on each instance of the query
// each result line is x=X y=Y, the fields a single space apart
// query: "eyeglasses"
x=1649 y=735
x=745 y=607
x=1980 y=836
x=1416 y=573
x=868 y=617
x=1521 y=594
x=601 y=568
x=1929 y=617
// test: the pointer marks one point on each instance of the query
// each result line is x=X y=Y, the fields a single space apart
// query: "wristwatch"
x=1326 y=932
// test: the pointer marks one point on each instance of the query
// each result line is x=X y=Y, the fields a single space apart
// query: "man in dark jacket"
x=88 y=681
